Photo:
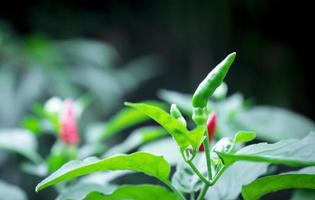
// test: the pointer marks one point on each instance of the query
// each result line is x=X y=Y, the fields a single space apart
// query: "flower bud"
x=211 y=126
x=68 y=130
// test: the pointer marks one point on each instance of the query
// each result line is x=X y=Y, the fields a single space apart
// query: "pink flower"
x=68 y=130
x=211 y=126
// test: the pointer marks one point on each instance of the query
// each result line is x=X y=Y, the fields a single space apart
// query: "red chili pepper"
x=69 y=131
x=211 y=126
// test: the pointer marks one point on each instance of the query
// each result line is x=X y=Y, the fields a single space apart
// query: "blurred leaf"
x=124 y=119
x=165 y=147
x=183 y=101
x=21 y=142
x=33 y=124
x=135 y=192
x=244 y=136
x=226 y=111
x=229 y=186
x=141 y=162
x=88 y=52
x=35 y=169
x=274 y=124
x=136 y=138
x=60 y=153
x=185 y=179
x=303 y=195
x=148 y=66
x=7 y=96
x=172 y=125
x=9 y=191
x=302 y=179
x=79 y=191
x=30 y=88
x=287 y=152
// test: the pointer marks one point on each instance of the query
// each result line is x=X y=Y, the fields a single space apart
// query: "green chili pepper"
x=211 y=82
x=177 y=114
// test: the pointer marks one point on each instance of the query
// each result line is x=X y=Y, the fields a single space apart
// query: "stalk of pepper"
x=211 y=127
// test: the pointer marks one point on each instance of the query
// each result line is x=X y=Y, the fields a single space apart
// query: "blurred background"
x=186 y=38
x=128 y=50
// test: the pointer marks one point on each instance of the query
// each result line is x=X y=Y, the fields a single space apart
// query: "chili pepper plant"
x=216 y=142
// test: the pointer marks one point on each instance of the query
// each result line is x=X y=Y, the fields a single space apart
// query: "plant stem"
x=202 y=178
x=178 y=193
x=208 y=159
x=215 y=179
x=208 y=156
x=192 y=196
x=203 y=192
x=218 y=175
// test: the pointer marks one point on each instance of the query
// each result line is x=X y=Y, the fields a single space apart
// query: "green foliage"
x=291 y=152
x=149 y=164
x=135 y=192
x=302 y=179
x=218 y=171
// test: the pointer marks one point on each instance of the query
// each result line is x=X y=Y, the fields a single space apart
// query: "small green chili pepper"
x=213 y=80
x=177 y=114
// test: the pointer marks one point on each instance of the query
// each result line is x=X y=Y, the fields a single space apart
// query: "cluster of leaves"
x=234 y=168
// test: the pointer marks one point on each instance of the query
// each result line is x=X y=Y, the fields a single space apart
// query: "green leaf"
x=135 y=192
x=147 y=163
x=9 y=191
x=302 y=179
x=274 y=124
x=137 y=138
x=172 y=125
x=21 y=142
x=229 y=186
x=287 y=152
x=244 y=136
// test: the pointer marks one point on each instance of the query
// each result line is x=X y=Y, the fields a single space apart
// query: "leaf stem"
x=202 y=178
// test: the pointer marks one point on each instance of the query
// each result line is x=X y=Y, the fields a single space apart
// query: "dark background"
x=272 y=39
